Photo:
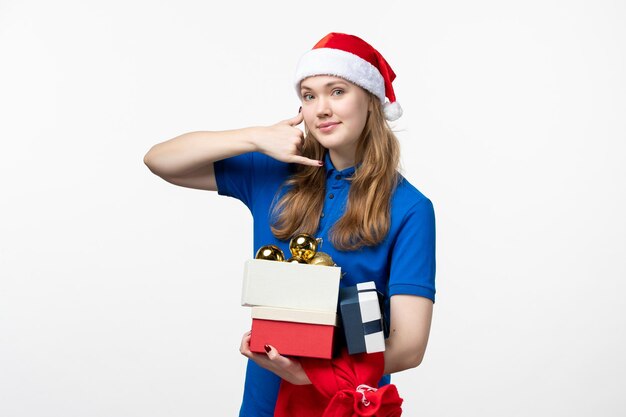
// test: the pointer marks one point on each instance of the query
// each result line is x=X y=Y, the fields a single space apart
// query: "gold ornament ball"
x=322 y=258
x=303 y=246
x=270 y=253
x=297 y=260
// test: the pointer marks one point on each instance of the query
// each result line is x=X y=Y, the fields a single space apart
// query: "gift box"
x=361 y=318
x=292 y=338
x=290 y=285
x=293 y=332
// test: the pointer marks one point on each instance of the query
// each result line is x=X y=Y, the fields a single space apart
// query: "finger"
x=277 y=358
x=300 y=144
x=303 y=160
x=273 y=354
x=244 y=346
x=295 y=121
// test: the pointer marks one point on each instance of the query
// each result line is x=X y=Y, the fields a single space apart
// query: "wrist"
x=252 y=138
x=299 y=375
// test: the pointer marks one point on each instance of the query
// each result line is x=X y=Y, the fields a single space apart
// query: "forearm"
x=191 y=151
x=401 y=357
x=411 y=318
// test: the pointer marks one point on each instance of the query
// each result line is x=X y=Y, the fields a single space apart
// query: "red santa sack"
x=341 y=387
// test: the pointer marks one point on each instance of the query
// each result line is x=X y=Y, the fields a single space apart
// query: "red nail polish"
x=300 y=109
x=267 y=348
x=321 y=163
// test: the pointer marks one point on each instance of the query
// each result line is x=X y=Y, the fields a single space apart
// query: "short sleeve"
x=412 y=269
x=234 y=177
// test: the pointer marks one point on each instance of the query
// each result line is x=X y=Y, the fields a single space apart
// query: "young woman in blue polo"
x=339 y=182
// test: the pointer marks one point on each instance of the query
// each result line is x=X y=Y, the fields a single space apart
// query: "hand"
x=283 y=141
x=288 y=369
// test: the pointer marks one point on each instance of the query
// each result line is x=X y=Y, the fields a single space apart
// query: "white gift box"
x=290 y=285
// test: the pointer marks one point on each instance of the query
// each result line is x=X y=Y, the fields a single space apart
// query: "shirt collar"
x=331 y=170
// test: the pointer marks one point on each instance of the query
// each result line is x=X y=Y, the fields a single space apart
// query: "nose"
x=323 y=106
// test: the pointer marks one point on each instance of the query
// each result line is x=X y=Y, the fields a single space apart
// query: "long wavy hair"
x=367 y=217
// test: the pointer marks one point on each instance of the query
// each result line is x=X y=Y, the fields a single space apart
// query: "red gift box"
x=293 y=339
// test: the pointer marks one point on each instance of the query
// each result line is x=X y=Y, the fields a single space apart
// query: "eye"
x=337 y=92
x=307 y=96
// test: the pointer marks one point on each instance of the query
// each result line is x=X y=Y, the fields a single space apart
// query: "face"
x=335 y=112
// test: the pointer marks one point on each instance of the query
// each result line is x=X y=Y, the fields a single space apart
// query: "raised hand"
x=283 y=141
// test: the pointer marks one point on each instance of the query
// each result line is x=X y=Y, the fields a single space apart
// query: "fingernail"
x=300 y=109
x=321 y=163
x=267 y=348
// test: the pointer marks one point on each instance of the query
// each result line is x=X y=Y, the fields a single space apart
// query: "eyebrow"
x=327 y=85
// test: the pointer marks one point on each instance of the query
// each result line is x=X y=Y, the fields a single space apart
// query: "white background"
x=119 y=292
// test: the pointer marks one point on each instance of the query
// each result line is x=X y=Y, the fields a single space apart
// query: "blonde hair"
x=367 y=217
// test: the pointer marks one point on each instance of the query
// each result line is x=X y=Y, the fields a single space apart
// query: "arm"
x=187 y=160
x=409 y=329
x=412 y=288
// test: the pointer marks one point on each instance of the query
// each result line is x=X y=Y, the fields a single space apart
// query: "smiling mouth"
x=327 y=126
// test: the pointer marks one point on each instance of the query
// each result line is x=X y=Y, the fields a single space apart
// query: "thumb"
x=295 y=121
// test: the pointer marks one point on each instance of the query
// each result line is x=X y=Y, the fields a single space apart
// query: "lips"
x=328 y=126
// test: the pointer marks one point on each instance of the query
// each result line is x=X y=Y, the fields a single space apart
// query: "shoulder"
x=411 y=210
x=271 y=166
x=408 y=198
x=248 y=175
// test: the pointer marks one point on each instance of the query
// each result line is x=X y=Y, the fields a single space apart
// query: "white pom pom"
x=393 y=111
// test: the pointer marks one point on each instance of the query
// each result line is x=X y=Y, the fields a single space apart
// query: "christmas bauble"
x=303 y=246
x=270 y=253
x=322 y=258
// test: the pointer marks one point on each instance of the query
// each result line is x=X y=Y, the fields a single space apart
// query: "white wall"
x=119 y=292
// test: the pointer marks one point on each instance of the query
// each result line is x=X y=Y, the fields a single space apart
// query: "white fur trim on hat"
x=328 y=61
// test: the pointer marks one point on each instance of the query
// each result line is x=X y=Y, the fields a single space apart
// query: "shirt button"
x=322 y=215
x=337 y=177
x=331 y=196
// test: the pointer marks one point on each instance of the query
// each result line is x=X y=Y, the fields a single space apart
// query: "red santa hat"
x=351 y=58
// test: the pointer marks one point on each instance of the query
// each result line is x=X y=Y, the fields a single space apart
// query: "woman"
x=339 y=182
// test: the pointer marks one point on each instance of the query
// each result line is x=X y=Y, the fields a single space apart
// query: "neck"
x=340 y=161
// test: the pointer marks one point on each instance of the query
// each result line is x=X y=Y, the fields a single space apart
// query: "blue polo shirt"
x=403 y=263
